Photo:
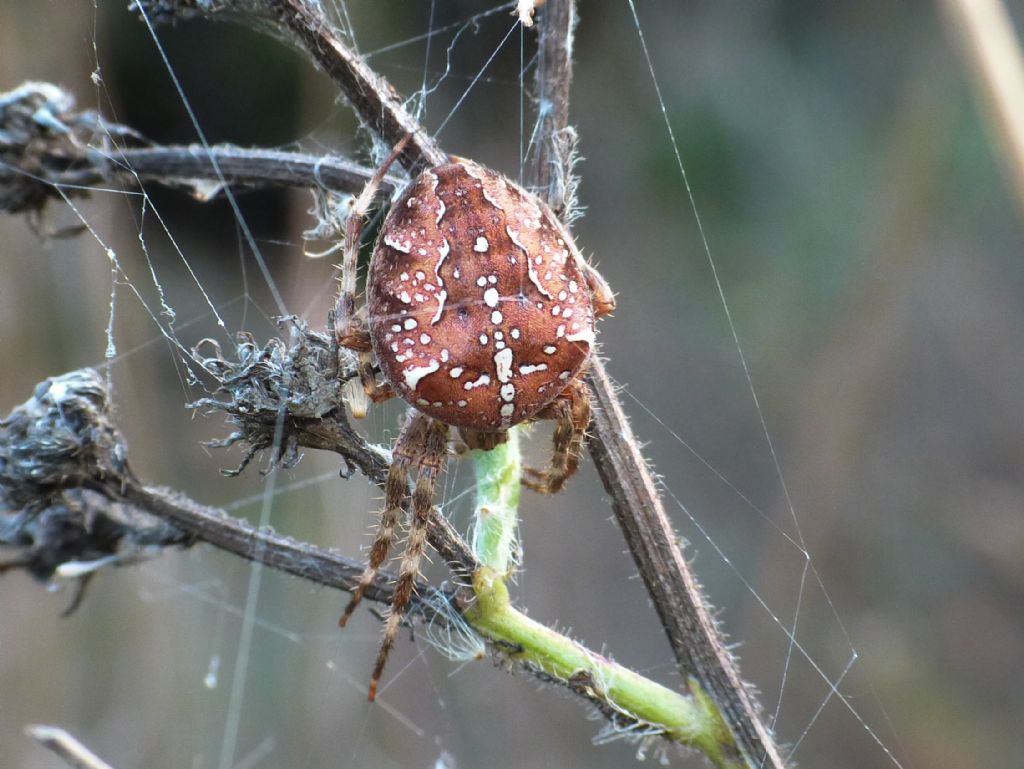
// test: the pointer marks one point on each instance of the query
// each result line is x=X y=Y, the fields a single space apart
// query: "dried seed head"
x=480 y=309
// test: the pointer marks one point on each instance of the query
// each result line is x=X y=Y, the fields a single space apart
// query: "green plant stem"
x=644 y=706
x=638 y=705
x=496 y=518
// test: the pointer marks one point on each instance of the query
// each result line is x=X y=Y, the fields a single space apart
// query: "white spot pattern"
x=398 y=245
x=586 y=335
x=529 y=368
x=503 y=362
x=415 y=374
x=482 y=381
x=534 y=278
x=442 y=296
x=539 y=257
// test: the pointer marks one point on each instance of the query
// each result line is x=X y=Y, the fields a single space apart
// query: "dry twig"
x=70 y=503
x=675 y=592
x=66 y=746
x=49 y=149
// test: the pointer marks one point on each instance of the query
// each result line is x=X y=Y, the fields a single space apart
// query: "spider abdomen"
x=479 y=307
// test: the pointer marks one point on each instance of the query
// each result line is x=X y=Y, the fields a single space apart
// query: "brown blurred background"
x=865 y=233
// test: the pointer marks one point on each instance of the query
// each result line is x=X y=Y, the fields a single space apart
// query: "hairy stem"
x=70 y=504
x=635 y=705
x=496 y=518
x=674 y=590
x=245 y=166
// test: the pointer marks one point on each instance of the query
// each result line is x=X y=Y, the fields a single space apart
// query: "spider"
x=480 y=313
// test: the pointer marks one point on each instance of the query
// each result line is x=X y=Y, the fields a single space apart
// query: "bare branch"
x=677 y=596
x=70 y=505
x=691 y=630
x=304 y=382
x=245 y=166
x=551 y=172
x=66 y=746
x=675 y=591
x=47 y=147
x=304 y=23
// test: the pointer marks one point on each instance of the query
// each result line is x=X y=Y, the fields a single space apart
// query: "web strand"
x=790 y=630
x=254 y=618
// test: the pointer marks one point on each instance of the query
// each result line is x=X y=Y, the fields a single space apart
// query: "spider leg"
x=359 y=341
x=395 y=491
x=434 y=435
x=571 y=412
x=422 y=443
x=601 y=293
x=349 y=327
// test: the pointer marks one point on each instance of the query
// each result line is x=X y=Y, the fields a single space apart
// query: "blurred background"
x=865 y=233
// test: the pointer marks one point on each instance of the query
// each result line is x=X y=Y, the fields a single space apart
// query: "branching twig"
x=304 y=24
x=676 y=594
x=70 y=504
x=48 y=148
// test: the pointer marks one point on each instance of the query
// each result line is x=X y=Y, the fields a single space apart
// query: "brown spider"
x=481 y=316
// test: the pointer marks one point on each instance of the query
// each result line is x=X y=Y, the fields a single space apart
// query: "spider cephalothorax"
x=481 y=316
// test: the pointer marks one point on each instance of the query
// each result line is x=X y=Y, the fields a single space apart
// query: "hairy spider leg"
x=432 y=460
x=422 y=443
x=571 y=412
x=601 y=292
x=351 y=329
x=395 y=492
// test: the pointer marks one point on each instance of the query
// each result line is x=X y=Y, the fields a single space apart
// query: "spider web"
x=199 y=659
